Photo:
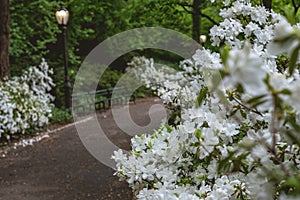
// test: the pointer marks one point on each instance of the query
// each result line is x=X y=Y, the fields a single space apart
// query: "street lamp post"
x=62 y=17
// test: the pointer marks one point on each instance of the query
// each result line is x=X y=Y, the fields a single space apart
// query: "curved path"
x=59 y=167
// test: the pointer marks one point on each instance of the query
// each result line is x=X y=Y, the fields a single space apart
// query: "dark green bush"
x=60 y=115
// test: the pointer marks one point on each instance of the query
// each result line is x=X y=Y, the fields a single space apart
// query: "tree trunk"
x=4 y=39
x=196 y=20
x=268 y=4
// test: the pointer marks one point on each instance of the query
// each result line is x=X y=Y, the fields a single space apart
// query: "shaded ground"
x=59 y=167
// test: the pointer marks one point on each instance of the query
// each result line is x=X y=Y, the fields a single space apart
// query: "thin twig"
x=209 y=18
x=246 y=107
x=185 y=9
x=296 y=7
x=185 y=5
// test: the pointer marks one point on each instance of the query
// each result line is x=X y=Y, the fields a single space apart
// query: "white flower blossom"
x=25 y=104
x=241 y=139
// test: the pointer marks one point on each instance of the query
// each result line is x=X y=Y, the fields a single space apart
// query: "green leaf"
x=201 y=96
x=225 y=164
x=225 y=54
x=293 y=60
x=233 y=112
x=295 y=125
x=292 y=182
x=259 y=103
x=285 y=91
x=289 y=14
x=243 y=114
x=198 y=133
x=217 y=77
x=255 y=99
x=292 y=137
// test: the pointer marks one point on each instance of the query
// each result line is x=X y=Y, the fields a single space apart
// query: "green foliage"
x=167 y=14
x=109 y=79
x=35 y=33
x=286 y=8
x=60 y=115
x=32 y=28
x=143 y=92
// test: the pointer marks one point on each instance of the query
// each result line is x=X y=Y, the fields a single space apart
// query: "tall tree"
x=4 y=39
x=268 y=4
x=196 y=19
x=296 y=6
x=195 y=8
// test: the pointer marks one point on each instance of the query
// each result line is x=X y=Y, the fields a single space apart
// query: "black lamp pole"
x=67 y=81
x=62 y=16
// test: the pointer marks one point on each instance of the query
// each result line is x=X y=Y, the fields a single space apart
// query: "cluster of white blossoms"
x=238 y=131
x=25 y=102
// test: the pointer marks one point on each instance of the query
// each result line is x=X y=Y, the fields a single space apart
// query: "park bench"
x=101 y=99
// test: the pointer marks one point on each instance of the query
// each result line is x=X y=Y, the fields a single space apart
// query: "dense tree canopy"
x=34 y=32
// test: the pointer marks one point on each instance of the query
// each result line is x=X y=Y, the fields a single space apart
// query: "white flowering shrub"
x=25 y=104
x=238 y=133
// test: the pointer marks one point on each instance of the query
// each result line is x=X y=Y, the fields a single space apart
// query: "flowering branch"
x=246 y=107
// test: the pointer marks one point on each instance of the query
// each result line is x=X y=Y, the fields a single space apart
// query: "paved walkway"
x=59 y=167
